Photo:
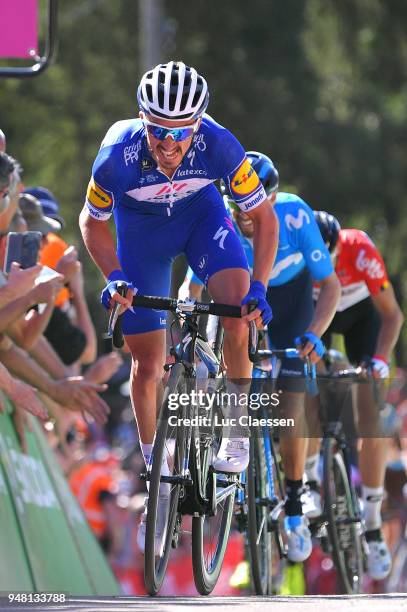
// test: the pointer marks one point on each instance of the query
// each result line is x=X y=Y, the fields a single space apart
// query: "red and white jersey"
x=360 y=268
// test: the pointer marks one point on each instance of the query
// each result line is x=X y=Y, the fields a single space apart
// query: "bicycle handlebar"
x=187 y=306
x=358 y=372
x=256 y=355
x=161 y=303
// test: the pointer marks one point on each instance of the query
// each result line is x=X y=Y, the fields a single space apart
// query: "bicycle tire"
x=397 y=579
x=207 y=567
x=345 y=539
x=258 y=534
x=154 y=570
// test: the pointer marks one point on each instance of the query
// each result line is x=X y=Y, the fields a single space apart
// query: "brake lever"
x=114 y=329
x=253 y=334
x=310 y=372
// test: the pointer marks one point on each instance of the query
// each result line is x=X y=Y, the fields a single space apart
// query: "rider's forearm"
x=389 y=333
x=99 y=241
x=326 y=305
x=265 y=243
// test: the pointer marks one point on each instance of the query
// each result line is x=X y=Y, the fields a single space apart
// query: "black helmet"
x=329 y=228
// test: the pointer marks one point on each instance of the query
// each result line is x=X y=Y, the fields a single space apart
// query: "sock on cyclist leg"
x=312 y=469
x=372 y=502
x=293 y=505
x=147 y=449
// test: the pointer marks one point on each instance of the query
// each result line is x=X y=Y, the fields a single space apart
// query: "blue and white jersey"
x=300 y=243
x=126 y=176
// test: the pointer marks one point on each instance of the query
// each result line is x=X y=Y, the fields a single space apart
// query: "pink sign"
x=18 y=28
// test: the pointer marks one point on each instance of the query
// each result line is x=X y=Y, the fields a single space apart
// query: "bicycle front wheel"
x=258 y=533
x=210 y=530
x=169 y=444
x=344 y=526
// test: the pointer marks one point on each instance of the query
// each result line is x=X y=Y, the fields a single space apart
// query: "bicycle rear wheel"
x=258 y=533
x=344 y=528
x=171 y=441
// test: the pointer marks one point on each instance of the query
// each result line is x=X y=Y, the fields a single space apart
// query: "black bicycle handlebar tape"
x=117 y=338
x=159 y=303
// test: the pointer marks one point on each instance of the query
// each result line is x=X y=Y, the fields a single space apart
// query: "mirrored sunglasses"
x=177 y=134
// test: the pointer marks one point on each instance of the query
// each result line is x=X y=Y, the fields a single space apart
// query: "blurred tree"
x=319 y=85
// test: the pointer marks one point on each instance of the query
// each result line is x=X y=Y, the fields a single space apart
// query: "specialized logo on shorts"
x=245 y=180
x=372 y=267
x=221 y=235
x=297 y=222
x=97 y=196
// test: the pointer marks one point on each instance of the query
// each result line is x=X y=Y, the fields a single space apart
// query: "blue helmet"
x=265 y=170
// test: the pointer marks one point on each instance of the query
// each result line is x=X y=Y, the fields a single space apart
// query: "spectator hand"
x=46 y=292
x=69 y=265
x=19 y=281
x=310 y=345
x=76 y=282
x=25 y=397
x=110 y=294
x=78 y=394
x=104 y=368
x=263 y=313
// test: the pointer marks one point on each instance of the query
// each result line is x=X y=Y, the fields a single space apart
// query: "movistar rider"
x=301 y=258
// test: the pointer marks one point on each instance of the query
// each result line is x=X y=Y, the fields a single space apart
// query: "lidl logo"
x=98 y=196
x=245 y=180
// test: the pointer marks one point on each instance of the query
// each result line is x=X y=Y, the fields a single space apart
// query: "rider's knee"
x=149 y=369
x=236 y=329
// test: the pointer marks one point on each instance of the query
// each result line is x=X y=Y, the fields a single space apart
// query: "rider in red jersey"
x=369 y=318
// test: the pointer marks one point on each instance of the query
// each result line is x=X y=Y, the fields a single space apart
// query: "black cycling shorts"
x=293 y=309
x=360 y=325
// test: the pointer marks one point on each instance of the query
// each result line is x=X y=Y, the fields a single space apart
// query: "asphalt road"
x=332 y=603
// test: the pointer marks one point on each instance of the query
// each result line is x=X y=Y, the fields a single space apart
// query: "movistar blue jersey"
x=125 y=176
x=300 y=243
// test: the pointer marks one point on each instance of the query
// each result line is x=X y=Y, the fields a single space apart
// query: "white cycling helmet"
x=173 y=91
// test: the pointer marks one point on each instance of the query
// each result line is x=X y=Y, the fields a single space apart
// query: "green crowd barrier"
x=45 y=541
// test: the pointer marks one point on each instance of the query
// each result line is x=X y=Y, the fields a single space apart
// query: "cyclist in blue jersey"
x=155 y=174
x=302 y=257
